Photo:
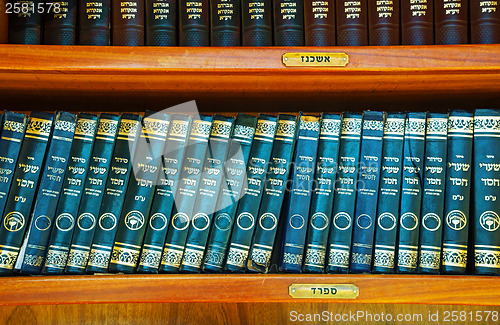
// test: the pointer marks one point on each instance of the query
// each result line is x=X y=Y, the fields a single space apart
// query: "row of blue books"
x=356 y=192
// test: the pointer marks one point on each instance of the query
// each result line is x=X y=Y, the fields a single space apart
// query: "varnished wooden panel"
x=467 y=290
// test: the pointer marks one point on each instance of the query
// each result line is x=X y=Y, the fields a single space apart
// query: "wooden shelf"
x=137 y=78
x=398 y=289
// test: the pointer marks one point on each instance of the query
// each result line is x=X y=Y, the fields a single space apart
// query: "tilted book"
x=232 y=188
x=60 y=24
x=128 y=23
x=22 y=192
x=25 y=27
x=302 y=177
x=344 y=204
x=417 y=22
x=256 y=23
x=225 y=18
x=434 y=179
x=194 y=21
x=319 y=23
x=389 y=194
x=352 y=23
x=248 y=207
x=94 y=22
x=161 y=22
x=365 y=215
x=457 y=198
x=484 y=22
x=114 y=193
x=34 y=248
x=383 y=20
x=451 y=22
x=288 y=22
x=273 y=196
x=320 y=213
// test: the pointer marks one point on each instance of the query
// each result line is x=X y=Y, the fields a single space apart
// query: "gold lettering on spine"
x=225 y=10
x=352 y=9
x=128 y=9
x=256 y=10
x=418 y=7
x=94 y=10
x=161 y=10
x=385 y=8
x=194 y=9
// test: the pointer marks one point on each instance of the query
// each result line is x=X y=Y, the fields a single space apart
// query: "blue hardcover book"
x=274 y=192
x=69 y=198
x=487 y=191
x=365 y=215
x=208 y=192
x=248 y=207
x=134 y=215
x=457 y=197
x=345 y=194
x=411 y=192
x=230 y=193
x=88 y=212
x=34 y=248
x=320 y=214
x=185 y=197
x=114 y=193
x=163 y=201
x=431 y=229
x=10 y=145
x=23 y=189
x=297 y=217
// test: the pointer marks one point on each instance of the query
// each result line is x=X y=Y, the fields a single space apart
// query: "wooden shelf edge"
x=392 y=289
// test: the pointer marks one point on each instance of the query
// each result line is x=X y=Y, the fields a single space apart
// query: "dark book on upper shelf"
x=60 y=23
x=383 y=22
x=417 y=22
x=352 y=23
x=194 y=23
x=94 y=17
x=451 y=22
x=484 y=22
x=225 y=22
x=161 y=22
x=128 y=23
x=319 y=23
x=25 y=27
x=256 y=23
x=288 y=22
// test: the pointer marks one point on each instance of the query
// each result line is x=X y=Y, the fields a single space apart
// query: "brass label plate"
x=324 y=291
x=315 y=59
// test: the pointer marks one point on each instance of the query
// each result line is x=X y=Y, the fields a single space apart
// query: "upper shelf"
x=125 y=77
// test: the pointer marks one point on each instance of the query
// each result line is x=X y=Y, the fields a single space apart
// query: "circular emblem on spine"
x=201 y=221
x=180 y=221
x=134 y=220
x=65 y=222
x=297 y=221
x=245 y=221
x=107 y=221
x=342 y=221
x=364 y=221
x=490 y=221
x=431 y=222
x=223 y=221
x=319 y=221
x=14 y=221
x=42 y=223
x=86 y=221
x=456 y=220
x=409 y=221
x=387 y=221
x=268 y=221
x=158 y=221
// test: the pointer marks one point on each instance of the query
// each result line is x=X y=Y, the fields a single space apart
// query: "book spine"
x=297 y=217
x=322 y=198
x=273 y=196
x=248 y=207
x=389 y=194
x=352 y=23
x=128 y=23
x=208 y=192
x=451 y=22
x=457 y=198
x=367 y=192
x=163 y=201
x=114 y=194
x=417 y=22
x=225 y=22
x=345 y=194
x=69 y=199
x=194 y=23
x=411 y=192
x=185 y=197
x=383 y=19
x=288 y=22
x=135 y=212
x=486 y=192
x=433 y=194
x=94 y=21
x=32 y=254
x=161 y=22
x=10 y=145
x=319 y=23
x=230 y=193
x=484 y=22
x=25 y=27
x=1 y=123
x=22 y=191
x=92 y=195
x=257 y=17
x=60 y=23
